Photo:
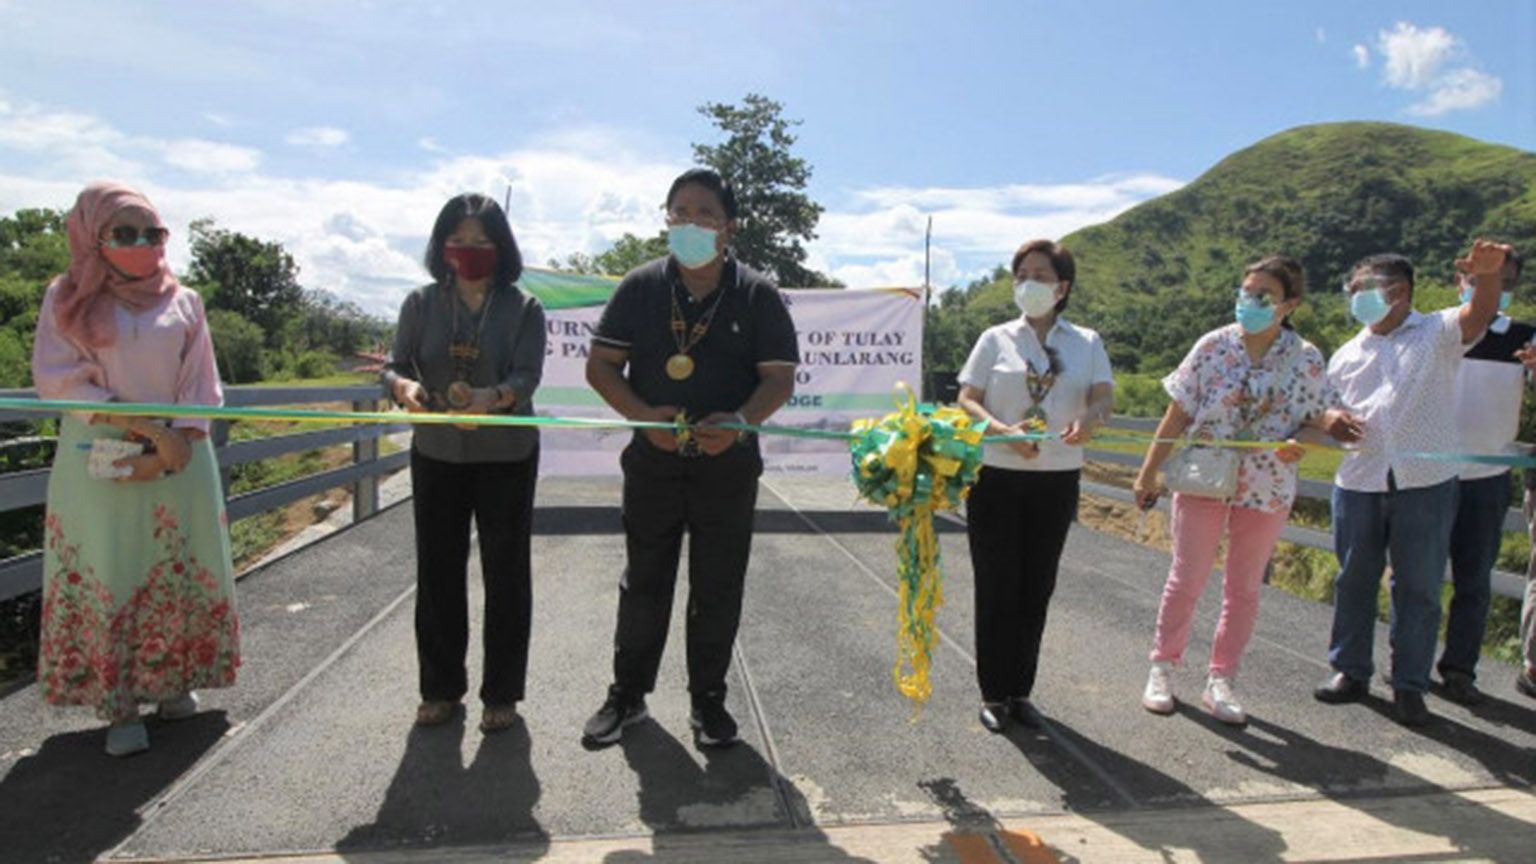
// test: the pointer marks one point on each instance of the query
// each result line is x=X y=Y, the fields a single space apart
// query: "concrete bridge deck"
x=313 y=756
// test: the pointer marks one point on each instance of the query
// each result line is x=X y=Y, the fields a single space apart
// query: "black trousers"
x=1017 y=524
x=711 y=499
x=499 y=497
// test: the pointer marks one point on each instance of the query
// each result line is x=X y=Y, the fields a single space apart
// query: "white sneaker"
x=180 y=708
x=1222 y=703
x=1158 y=697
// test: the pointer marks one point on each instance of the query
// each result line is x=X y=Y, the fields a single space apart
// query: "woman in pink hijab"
x=138 y=587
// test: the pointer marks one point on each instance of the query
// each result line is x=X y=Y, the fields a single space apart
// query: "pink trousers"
x=1198 y=525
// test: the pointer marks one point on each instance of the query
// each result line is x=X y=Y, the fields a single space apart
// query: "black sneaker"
x=1458 y=688
x=714 y=726
x=619 y=710
x=1408 y=707
x=1340 y=688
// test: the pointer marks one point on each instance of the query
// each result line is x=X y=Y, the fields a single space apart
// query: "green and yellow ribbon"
x=915 y=462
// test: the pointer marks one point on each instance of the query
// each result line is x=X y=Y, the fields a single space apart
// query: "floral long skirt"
x=138 y=585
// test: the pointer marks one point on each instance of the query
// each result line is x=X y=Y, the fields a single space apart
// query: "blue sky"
x=339 y=127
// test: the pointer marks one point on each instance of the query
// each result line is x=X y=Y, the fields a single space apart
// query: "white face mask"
x=1035 y=299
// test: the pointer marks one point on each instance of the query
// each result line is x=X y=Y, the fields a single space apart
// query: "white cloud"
x=221 y=120
x=1321 y=35
x=430 y=145
x=210 y=157
x=1413 y=55
x=575 y=191
x=1362 y=56
x=1415 y=60
x=1458 y=90
x=317 y=136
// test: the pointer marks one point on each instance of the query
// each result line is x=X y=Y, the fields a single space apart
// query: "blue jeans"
x=1479 y=529
x=1413 y=528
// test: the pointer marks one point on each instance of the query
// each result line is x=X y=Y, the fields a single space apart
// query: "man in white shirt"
x=1395 y=379
x=1489 y=389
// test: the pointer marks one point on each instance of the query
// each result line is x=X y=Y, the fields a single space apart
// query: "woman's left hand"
x=1079 y=433
x=480 y=401
x=1291 y=453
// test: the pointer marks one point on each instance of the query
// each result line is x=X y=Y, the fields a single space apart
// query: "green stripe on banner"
x=567 y=290
x=585 y=397
x=580 y=397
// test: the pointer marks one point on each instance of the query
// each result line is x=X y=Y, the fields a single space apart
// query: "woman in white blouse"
x=1253 y=379
x=1036 y=371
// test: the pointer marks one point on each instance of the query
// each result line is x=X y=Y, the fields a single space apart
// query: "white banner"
x=855 y=347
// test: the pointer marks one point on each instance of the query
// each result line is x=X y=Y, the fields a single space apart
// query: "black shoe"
x=714 y=726
x=994 y=716
x=1525 y=682
x=1408 y=707
x=1023 y=711
x=1458 y=688
x=1340 y=688
x=619 y=710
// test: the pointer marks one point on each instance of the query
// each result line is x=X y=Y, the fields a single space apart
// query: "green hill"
x=1157 y=276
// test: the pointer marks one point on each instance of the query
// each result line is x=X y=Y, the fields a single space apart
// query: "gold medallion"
x=459 y=395
x=679 y=367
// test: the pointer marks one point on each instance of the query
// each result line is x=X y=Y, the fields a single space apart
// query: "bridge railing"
x=23 y=573
x=1505 y=584
x=21 y=489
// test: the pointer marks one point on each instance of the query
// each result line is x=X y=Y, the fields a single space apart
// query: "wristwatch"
x=741 y=434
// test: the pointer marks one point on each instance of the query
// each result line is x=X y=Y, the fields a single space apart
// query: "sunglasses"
x=127 y=235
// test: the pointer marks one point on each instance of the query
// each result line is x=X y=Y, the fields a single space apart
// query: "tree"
x=255 y=279
x=776 y=214
x=627 y=253
x=237 y=345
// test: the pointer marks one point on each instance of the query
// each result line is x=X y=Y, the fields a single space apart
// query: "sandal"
x=497 y=718
x=434 y=713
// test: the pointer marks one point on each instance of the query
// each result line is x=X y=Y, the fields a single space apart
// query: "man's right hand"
x=661 y=439
x=411 y=395
x=1342 y=426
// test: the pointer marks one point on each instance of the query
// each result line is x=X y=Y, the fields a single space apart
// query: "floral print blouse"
x=1229 y=396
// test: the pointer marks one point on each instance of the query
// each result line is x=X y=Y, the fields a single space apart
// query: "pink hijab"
x=83 y=295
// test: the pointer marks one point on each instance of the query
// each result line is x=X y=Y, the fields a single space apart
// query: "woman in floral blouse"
x=138 y=587
x=1254 y=379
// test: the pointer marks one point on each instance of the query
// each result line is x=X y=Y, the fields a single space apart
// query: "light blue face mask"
x=1369 y=305
x=1252 y=314
x=1504 y=299
x=692 y=246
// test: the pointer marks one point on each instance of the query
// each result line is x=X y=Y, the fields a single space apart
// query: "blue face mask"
x=1253 y=314
x=692 y=246
x=1504 y=299
x=1369 y=306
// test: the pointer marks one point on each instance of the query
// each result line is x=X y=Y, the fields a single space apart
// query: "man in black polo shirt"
x=707 y=337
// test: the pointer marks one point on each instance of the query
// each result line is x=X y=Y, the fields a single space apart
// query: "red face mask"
x=134 y=261
x=472 y=263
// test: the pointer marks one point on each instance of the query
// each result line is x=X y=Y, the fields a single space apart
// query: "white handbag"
x=1211 y=472
x=1205 y=472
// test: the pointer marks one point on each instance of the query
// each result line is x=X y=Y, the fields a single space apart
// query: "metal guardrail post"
x=365 y=492
x=220 y=435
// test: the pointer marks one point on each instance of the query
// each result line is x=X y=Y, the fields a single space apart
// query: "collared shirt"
x=750 y=327
x=999 y=367
x=511 y=336
x=1230 y=396
x=1403 y=386
x=1489 y=388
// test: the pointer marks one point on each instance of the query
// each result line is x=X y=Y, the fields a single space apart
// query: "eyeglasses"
x=127 y=235
x=1260 y=299
x=1366 y=283
x=703 y=220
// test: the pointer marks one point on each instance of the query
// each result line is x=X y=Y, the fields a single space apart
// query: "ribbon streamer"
x=915 y=462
